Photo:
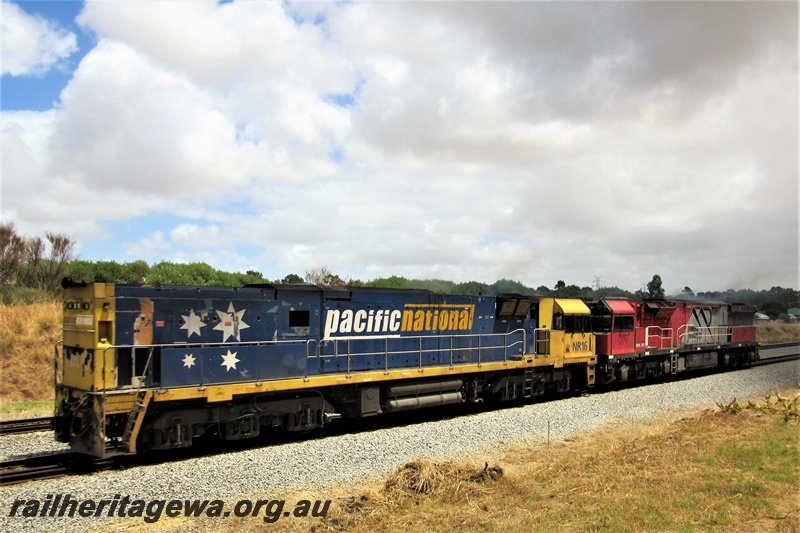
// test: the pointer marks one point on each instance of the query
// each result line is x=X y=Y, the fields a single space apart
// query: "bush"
x=24 y=295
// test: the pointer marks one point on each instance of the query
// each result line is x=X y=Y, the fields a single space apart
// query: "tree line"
x=32 y=268
x=33 y=262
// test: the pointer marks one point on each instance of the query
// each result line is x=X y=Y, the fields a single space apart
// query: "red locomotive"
x=640 y=339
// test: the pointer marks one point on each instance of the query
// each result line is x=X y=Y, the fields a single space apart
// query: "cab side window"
x=577 y=324
x=623 y=323
x=601 y=323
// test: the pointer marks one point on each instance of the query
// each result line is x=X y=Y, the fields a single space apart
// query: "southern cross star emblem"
x=188 y=360
x=229 y=360
x=231 y=323
x=192 y=323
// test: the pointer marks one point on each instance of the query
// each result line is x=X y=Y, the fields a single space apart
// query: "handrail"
x=693 y=334
x=545 y=341
x=443 y=348
x=56 y=366
x=314 y=349
x=210 y=344
x=662 y=334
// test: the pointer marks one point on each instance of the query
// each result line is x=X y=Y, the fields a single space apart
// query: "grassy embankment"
x=28 y=334
x=775 y=332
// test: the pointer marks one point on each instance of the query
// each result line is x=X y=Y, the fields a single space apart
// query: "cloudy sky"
x=463 y=141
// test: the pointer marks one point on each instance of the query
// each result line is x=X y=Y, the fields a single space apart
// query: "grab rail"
x=691 y=334
x=447 y=344
x=660 y=335
x=478 y=348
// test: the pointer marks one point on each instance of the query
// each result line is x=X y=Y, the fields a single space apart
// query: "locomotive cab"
x=614 y=327
x=564 y=337
x=85 y=370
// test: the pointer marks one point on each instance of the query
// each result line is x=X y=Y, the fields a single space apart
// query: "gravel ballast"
x=320 y=463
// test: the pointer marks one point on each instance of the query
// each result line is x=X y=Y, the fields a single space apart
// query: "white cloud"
x=194 y=236
x=32 y=45
x=128 y=124
x=534 y=141
x=149 y=246
x=221 y=46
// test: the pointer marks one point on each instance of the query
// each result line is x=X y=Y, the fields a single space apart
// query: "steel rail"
x=8 y=427
x=49 y=466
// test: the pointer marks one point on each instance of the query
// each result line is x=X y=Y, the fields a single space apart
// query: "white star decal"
x=192 y=323
x=189 y=360
x=229 y=361
x=231 y=323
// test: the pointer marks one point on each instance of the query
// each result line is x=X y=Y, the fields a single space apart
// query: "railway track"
x=8 y=427
x=778 y=359
x=30 y=468
x=52 y=466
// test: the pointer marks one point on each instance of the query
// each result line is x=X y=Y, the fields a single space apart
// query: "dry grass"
x=28 y=334
x=718 y=470
x=772 y=332
x=424 y=477
x=713 y=471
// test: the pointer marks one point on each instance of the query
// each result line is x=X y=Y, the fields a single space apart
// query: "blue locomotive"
x=153 y=367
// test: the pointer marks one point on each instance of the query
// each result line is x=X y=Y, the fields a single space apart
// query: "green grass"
x=743 y=476
x=29 y=407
